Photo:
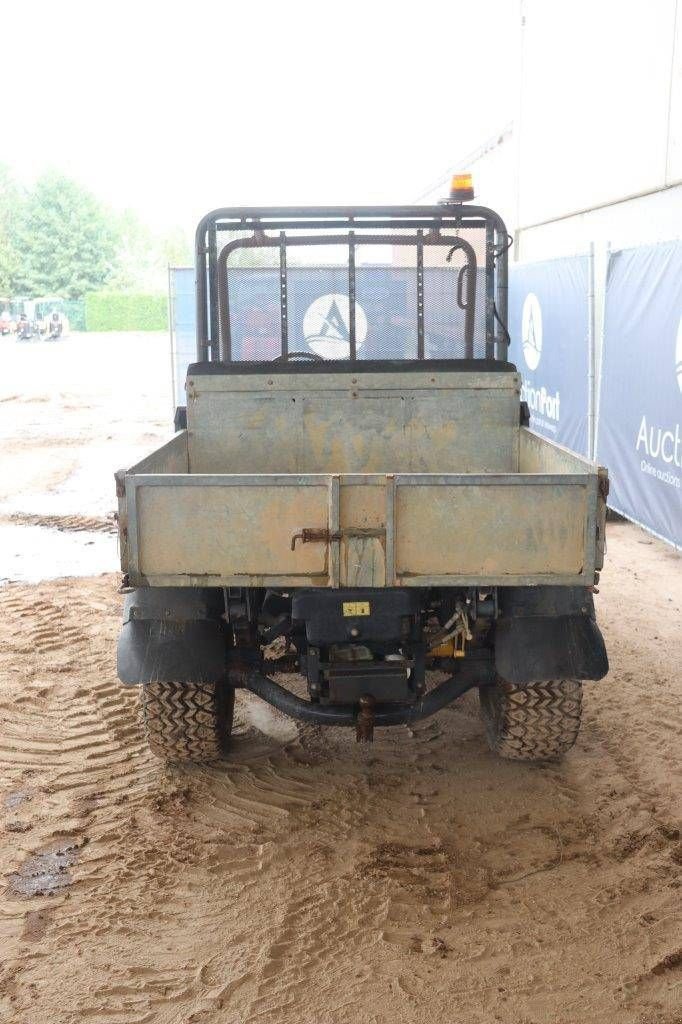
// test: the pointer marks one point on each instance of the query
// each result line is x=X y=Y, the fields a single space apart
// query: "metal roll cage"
x=348 y=224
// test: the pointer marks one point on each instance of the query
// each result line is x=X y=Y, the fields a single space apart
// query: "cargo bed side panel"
x=484 y=531
x=196 y=528
x=373 y=530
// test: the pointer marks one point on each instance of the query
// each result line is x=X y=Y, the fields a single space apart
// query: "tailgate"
x=329 y=530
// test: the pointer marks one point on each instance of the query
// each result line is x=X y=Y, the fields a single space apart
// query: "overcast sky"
x=175 y=108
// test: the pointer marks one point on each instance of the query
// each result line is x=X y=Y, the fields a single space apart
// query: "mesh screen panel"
x=255 y=319
x=386 y=300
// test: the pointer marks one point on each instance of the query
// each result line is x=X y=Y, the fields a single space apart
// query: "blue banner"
x=548 y=324
x=640 y=407
x=182 y=320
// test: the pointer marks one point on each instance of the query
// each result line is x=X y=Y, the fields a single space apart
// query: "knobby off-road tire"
x=187 y=721
x=539 y=722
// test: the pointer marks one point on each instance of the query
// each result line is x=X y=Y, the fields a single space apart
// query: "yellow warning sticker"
x=352 y=608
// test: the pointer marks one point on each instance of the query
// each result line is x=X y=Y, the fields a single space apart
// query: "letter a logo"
x=326 y=326
x=333 y=325
x=531 y=331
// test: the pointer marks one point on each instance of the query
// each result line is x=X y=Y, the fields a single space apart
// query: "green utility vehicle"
x=354 y=495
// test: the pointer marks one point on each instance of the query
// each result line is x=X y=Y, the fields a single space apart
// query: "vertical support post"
x=516 y=137
x=284 y=315
x=334 y=530
x=489 y=291
x=213 y=339
x=351 y=295
x=200 y=287
x=420 y=294
x=591 y=354
x=225 y=352
x=390 y=529
x=502 y=297
x=601 y=286
x=133 y=565
x=173 y=339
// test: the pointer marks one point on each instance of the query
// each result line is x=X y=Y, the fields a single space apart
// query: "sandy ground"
x=309 y=879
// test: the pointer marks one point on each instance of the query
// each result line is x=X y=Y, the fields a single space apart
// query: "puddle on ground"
x=89 y=487
x=76 y=435
x=16 y=798
x=44 y=873
x=29 y=554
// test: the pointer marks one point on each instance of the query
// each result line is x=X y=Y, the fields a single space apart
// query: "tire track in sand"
x=309 y=878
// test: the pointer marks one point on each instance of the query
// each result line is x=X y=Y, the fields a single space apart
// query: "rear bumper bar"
x=467 y=678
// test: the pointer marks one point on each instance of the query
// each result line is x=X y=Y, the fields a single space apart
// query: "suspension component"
x=451 y=641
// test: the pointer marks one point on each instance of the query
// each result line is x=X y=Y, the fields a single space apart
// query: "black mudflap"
x=548 y=633
x=171 y=635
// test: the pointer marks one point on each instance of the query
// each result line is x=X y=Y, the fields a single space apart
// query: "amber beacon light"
x=461 y=188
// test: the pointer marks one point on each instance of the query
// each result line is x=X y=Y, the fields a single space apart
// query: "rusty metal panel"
x=171 y=457
x=363 y=504
x=431 y=381
x=603 y=493
x=491 y=531
x=543 y=525
x=363 y=559
x=122 y=518
x=371 y=423
x=538 y=455
x=363 y=562
x=231 y=530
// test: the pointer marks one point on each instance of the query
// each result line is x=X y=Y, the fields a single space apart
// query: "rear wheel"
x=539 y=722
x=187 y=721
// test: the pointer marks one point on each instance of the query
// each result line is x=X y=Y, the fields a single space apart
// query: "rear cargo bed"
x=531 y=513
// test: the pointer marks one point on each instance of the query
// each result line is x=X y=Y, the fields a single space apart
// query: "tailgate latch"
x=312 y=535
x=321 y=535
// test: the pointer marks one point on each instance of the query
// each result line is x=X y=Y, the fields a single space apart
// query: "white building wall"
x=595 y=153
x=596 y=106
x=656 y=217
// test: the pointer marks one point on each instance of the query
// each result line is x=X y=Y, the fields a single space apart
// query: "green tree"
x=177 y=249
x=64 y=239
x=144 y=255
x=10 y=201
x=135 y=255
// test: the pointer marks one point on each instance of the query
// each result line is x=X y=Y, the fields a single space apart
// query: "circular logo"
x=326 y=326
x=678 y=355
x=531 y=331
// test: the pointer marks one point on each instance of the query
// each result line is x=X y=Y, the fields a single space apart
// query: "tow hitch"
x=473 y=672
x=364 y=726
